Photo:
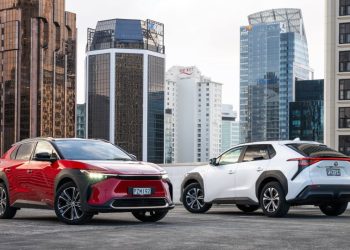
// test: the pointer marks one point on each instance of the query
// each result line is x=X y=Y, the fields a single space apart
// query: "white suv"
x=273 y=176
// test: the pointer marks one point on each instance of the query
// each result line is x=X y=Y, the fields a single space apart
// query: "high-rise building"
x=125 y=74
x=337 y=75
x=273 y=53
x=306 y=112
x=229 y=128
x=81 y=120
x=37 y=70
x=193 y=106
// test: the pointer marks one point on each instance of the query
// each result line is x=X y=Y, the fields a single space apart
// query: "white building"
x=337 y=75
x=195 y=104
x=230 y=128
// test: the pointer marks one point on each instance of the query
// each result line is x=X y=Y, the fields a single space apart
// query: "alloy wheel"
x=195 y=198
x=69 y=205
x=3 y=201
x=271 y=200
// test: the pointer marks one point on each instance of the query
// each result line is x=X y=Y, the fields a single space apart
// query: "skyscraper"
x=193 y=107
x=274 y=54
x=337 y=75
x=125 y=73
x=306 y=117
x=229 y=128
x=37 y=70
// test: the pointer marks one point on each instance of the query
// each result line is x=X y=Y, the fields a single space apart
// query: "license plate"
x=333 y=172
x=141 y=191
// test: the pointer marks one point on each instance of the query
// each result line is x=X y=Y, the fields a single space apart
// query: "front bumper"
x=321 y=194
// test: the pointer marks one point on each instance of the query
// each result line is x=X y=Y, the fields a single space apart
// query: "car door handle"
x=29 y=171
x=231 y=172
x=259 y=169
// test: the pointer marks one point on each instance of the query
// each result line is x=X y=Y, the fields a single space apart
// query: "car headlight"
x=97 y=176
x=165 y=176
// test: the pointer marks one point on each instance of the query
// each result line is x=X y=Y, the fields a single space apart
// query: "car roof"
x=285 y=142
x=51 y=139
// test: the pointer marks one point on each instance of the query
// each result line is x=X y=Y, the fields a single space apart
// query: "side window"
x=256 y=153
x=25 y=151
x=14 y=153
x=231 y=156
x=43 y=147
x=272 y=151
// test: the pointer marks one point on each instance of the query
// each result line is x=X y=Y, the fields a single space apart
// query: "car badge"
x=336 y=164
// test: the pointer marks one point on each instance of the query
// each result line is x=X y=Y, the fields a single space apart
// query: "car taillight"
x=304 y=163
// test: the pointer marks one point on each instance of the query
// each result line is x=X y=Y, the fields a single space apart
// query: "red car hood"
x=126 y=167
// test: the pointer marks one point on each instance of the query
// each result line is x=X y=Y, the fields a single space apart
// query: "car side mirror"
x=133 y=157
x=213 y=162
x=45 y=156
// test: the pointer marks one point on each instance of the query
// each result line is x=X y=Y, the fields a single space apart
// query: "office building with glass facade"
x=229 y=128
x=306 y=117
x=273 y=53
x=37 y=70
x=125 y=74
x=337 y=75
x=81 y=120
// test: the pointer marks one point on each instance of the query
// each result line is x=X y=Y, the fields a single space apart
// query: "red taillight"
x=305 y=162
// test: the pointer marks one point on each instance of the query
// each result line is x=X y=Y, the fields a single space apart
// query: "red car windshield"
x=90 y=150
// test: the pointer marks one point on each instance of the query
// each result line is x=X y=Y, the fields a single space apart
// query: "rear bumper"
x=320 y=194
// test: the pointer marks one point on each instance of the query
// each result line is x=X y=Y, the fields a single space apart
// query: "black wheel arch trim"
x=79 y=179
x=191 y=176
x=275 y=174
x=3 y=178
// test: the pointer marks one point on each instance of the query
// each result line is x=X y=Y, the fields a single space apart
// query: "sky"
x=202 y=33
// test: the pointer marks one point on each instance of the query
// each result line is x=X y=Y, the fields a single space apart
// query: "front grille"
x=139 y=177
x=149 y=202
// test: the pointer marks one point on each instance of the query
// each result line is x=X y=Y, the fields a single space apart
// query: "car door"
x=256 y=158
x=43 y=174
x=21 y=172
x=220 y=179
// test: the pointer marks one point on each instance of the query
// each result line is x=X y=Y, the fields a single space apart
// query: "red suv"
x=79 y=178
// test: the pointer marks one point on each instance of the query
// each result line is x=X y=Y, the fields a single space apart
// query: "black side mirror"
x=45 y=156
x=213 y=161
x=133 y=157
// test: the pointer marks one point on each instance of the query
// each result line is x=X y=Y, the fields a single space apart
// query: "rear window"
x=315 y=150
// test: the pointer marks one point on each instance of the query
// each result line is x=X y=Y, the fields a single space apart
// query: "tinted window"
x=43 y=147
x=231 y=156
x=25 y=151
x=90 y=150
x=315 y=150
x=256 y=152
x=14 y=153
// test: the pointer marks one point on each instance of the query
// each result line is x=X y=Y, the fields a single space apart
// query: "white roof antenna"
x=297 y=139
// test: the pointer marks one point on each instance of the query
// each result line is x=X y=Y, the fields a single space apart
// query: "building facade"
x=274 y=53
x=337 y=75
x=81 y=120
x=37 y=70
x=125 y=74
x=194 y=102
x=306 y=117
x=229 y=128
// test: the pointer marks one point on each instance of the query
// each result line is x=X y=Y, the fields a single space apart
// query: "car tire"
x=273 y=200
x=149 y=216
x=6 y=212
x=334 y=209
x=248 y=208
x=193 y=199
x=68 y=205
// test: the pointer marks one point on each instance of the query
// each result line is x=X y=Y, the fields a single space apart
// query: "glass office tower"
x=125 y=73
x=273 y=54
x=37 y=70
x=306 y=117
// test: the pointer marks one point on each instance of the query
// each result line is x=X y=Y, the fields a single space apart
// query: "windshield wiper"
x=119 y=159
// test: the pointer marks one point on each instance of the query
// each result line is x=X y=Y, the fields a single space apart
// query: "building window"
x=344 y=144
x=344 y=61
x=344 y=117
x=344 y=33
x=344 y=8
x=344 y=89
